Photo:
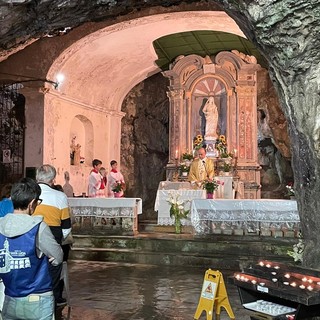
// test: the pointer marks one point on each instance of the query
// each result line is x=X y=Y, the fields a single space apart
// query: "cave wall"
x=273 y=141
x=145 y=140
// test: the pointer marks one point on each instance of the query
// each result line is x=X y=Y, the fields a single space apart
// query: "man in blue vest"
x=27 y=247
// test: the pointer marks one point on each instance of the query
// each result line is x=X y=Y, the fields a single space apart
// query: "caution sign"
x=213 y=296
x=208 y=290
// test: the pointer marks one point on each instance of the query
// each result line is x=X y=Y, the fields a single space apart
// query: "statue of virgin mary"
x=210 y=111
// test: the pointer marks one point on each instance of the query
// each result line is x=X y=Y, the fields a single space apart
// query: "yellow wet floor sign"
x=213 y=296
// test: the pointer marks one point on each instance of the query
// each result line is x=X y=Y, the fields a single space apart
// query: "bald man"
x=202 y=168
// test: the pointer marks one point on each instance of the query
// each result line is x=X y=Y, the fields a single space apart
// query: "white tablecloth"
x=163 y=207
x=102 y=208
x=244 y=214
x=225 y=190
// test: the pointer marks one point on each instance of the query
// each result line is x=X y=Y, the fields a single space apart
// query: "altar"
x=187 y=192
x=247 y=216
x=95 y=212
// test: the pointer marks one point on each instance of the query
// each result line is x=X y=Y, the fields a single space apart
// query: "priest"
x=202 y=168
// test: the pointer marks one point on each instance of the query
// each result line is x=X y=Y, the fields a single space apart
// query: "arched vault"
x=102 y=67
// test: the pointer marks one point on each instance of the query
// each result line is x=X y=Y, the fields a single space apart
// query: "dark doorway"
x=12 y=124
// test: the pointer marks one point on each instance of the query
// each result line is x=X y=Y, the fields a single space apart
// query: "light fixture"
x=55 y=84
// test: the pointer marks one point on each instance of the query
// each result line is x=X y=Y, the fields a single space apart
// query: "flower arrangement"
x=177 y=210
x=187 y=156
x=184 y=167
x=198 y=142
x=211 y=186
x=290 y=189
x=221 y=146
x=226 y=167
x=118 y=186
x=297 y=252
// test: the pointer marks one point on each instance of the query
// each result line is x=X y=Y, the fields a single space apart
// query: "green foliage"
x=210 y=186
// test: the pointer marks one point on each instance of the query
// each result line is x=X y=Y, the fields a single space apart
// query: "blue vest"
x=21 y=270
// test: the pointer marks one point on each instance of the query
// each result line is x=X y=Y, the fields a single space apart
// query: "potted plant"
x=117 y=187
x=187 y=156
x=184 y=169
x=177 y=211
x=221 y=146
x=226 y=168
x=290 y=190
x=198 y=142
x=210 y=187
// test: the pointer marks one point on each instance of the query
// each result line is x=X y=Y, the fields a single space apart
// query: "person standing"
x=95 y=181
x=201 y=168
x=113 y=178
x=103 y=185
x=27 y=248
x=55 y=210
x=6 y=205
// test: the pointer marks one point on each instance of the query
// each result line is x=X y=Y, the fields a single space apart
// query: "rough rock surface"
x=286 y=32
x=144 y=140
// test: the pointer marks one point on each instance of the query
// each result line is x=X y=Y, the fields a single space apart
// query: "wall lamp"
x=55 y=84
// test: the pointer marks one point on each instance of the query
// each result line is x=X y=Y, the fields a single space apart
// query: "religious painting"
x=209 y=108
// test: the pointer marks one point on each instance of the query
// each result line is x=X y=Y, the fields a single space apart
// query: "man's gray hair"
x=46 y=173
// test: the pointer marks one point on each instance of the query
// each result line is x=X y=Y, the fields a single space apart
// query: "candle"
x=235 y=153
x=176 y=153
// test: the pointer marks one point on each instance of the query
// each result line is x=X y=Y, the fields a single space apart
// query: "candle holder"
x=176 y=171
x=235 y=170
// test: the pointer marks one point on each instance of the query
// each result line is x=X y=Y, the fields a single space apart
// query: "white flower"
x=297 y=251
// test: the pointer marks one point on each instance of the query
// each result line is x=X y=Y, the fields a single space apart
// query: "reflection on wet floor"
x=101 y=290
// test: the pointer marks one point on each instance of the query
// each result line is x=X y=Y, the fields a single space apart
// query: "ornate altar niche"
x=228 y=79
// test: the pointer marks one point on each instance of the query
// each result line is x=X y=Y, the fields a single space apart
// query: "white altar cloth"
x=185 y=193
x=246 y=214
x=107 y=208
x=225 y=190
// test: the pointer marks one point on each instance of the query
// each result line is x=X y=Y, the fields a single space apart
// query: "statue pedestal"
x=212 y=152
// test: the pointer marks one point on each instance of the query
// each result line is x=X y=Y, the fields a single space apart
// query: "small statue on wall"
x=75 y=150
x=72 y=150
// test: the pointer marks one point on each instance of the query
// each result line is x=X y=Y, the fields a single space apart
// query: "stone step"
x=224 y=252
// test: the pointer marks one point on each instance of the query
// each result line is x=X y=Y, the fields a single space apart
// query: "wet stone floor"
x=112 y=291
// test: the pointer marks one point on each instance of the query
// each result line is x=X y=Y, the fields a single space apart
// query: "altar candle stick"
x=176 y=153
x=235 y=153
